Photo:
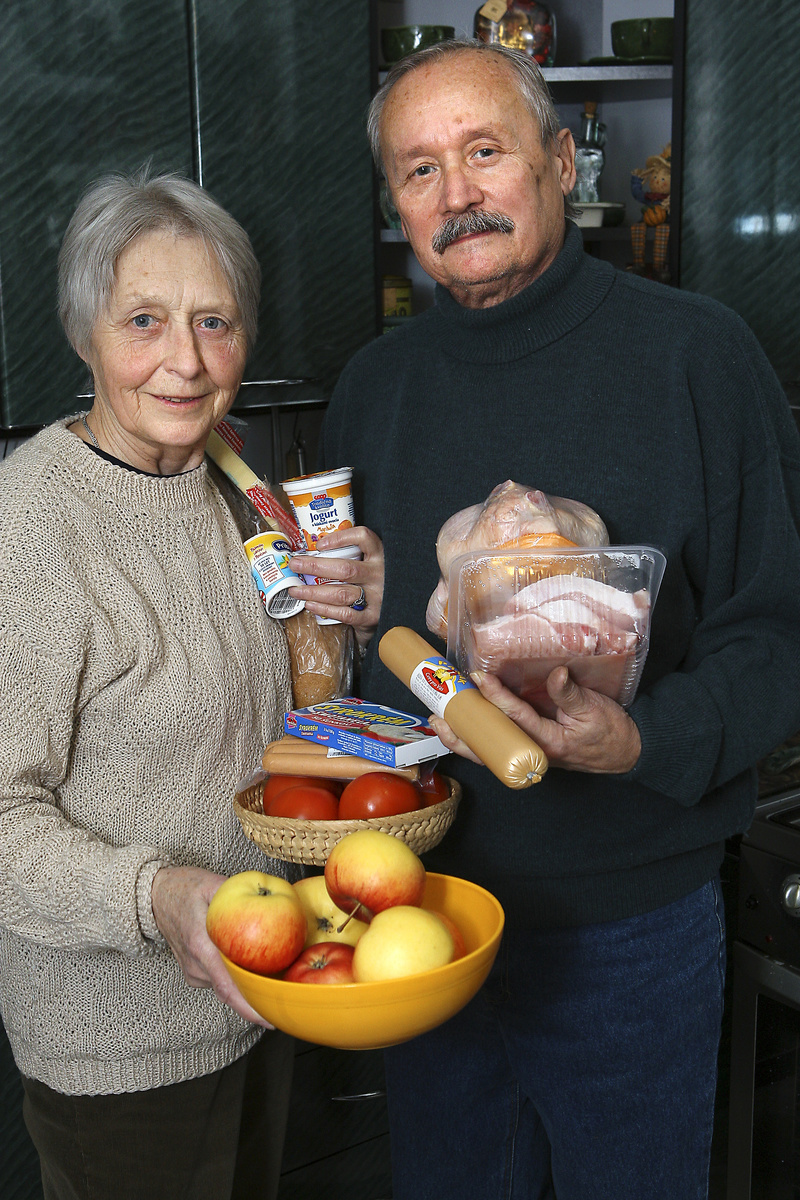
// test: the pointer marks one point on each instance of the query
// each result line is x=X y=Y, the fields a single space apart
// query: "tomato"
x=304 y=802
x=377 y=794
x=278 y=783
x=434 y=787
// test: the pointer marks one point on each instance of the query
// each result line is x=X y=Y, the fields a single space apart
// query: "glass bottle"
x=521 y=25
x=589 y=156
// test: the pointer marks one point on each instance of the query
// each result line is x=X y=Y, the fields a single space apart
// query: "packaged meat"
x=513 y=516
x=521 y=613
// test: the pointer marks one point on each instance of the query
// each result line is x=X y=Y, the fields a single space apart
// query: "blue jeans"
x=584 y=1069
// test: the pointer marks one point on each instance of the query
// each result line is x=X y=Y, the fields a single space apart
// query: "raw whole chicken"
x=513 y=517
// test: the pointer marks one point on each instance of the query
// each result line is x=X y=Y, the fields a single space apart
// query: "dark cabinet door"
x=739 y=212
x=89 y=86
x=282 y=92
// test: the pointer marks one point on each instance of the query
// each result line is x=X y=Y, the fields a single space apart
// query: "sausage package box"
x=386 y=736
x=521 y=613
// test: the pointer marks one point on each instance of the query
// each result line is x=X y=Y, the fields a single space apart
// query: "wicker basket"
x=311 y=842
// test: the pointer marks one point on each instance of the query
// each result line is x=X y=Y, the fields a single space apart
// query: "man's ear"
x=565 y=154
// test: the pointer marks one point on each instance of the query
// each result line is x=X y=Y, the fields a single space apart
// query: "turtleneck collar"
x=560 y=299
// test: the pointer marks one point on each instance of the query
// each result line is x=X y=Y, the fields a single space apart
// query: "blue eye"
x=142 y=320
x=212 y=323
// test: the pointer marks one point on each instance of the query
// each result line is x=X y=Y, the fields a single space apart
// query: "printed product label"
x=269 y=555
x=435 y=681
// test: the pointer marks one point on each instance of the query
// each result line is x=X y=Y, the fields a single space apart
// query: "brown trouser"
x=213 y=1138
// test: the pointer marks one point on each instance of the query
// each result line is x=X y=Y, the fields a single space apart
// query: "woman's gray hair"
x=530 y=82
x=116 y=210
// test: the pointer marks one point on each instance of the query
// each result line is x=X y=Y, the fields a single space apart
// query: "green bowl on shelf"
x=397 y=41
x=640 y=37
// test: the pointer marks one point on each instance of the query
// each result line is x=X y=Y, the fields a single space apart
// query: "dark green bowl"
x=399 y=40
x=642 y=37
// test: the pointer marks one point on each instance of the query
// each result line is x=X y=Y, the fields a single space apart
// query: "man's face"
x=458 y=139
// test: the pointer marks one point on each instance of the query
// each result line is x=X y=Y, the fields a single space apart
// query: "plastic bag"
x=321 y=658
x=514 y=516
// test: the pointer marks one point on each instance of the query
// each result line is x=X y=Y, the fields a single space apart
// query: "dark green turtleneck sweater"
x=659 y=410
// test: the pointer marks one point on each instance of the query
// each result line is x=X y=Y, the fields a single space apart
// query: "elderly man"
x=586 y=1066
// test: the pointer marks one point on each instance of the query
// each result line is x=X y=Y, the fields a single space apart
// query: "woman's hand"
x=589 y=733
x=180 y=899
x=349 y=578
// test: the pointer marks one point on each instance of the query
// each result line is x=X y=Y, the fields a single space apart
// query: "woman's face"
x=168 y=355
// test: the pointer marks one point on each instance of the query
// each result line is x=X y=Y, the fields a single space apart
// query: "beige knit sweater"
x=139 y=682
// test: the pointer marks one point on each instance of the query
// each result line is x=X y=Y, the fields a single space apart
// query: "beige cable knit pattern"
x=139 y=682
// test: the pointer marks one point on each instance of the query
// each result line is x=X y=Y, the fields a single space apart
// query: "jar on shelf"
x=521 y=25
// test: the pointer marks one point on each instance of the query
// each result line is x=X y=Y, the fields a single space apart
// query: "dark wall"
x=263 y=103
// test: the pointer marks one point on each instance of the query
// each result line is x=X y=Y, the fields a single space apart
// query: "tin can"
x=268 y=555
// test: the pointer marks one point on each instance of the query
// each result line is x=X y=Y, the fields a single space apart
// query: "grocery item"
x=296 y=756
x=519 y=614
x=321 y=658
x=385 y=736
x=321 y=502
x=351 y=552
x=268 y=554
x=512 y=516
x=513 y=757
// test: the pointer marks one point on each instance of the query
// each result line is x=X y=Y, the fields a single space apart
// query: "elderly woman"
x=140 y=679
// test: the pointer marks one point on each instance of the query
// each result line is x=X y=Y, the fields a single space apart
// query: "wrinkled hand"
x=180 y=899
x=589 y=733
x=350 y=575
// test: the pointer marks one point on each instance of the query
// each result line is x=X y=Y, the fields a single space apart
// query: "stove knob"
x=791 y=895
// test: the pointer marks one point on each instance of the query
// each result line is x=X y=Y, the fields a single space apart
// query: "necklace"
x=85 y=424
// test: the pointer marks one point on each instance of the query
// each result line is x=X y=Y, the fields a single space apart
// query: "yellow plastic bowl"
x=368 y=1016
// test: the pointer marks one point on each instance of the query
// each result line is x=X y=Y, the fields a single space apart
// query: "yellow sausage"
x=341 y=766
x=509 y=753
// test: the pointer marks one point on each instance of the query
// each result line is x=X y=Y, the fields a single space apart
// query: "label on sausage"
x=435 y=682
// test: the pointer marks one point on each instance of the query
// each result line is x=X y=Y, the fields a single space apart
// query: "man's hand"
x=589 y=733
x=350 y=577
x=180 y=899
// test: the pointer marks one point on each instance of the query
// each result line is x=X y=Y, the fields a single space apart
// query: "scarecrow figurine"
x=650 y=185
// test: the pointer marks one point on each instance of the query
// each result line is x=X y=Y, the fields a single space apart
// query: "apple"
x=403 y=940
x=323 y=918
x=459 y=945
x=257 y=921
x=324 y=962
x=369 y=871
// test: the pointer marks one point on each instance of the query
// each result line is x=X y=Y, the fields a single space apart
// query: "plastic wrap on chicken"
x=519 y=614
x=513 y=516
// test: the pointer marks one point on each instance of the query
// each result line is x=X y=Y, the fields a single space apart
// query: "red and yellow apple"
x=369 y=871
x=324 y=962
x=459 y=945
x=323 y=918
x=402 y=940
x=257 y=921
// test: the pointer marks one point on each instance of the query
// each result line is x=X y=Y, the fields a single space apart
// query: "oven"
x=764 y=1097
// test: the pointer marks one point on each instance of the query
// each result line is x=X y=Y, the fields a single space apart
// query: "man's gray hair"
x=116 y=210
x=529 y=78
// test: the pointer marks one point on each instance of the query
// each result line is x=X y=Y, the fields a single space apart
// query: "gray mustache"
x=463 y=224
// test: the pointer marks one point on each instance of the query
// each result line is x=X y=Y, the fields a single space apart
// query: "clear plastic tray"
x=521 y=613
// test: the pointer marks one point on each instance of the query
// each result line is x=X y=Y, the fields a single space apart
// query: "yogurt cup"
x=352 y=552
x=321 y=502
x=268 y=555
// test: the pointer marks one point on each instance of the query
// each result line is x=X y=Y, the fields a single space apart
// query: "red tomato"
x=304 y=802
x=433 y=786
x=326 y=962
x=276 y=784
x=377 y=794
